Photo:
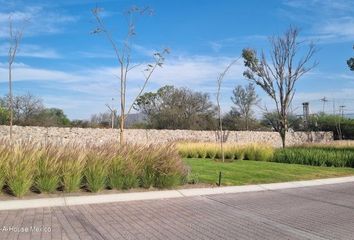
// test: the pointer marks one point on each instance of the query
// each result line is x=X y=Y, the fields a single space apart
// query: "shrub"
x=316 y=156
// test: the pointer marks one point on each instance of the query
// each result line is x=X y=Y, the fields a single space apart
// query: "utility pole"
x=306 y=112
x=341 y=110
x=324 y=100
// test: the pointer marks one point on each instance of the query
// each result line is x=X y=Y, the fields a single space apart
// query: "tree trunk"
x=222 y=142
x=121 y=133
x=282 y=133
x=11 y=100
x=247 y=123
x=283 y=129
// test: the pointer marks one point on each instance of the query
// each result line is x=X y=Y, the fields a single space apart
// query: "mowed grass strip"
x=255 y=172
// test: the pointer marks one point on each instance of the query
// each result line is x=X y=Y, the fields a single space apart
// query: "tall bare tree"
x=279 y=76
x=124 y=58
x=15 y=37
x=113 y=114
x=218 y=97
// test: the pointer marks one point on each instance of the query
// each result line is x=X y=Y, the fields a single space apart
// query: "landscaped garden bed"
x=48 y=170
x=43 y=168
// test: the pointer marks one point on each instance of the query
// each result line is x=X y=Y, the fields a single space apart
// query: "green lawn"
x=252 y=172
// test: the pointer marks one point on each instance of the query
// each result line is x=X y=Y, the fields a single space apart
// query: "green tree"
x=271 y=120
x=177 y=108
x=4 y=116
x=51 y=117
x=350 y=62
x=342 y=127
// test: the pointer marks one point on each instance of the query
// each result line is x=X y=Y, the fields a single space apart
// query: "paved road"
x=324 y=212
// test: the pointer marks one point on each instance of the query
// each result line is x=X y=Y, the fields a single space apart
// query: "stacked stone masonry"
x=151 y=136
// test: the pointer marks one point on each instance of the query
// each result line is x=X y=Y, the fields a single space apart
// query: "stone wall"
x=142 y=136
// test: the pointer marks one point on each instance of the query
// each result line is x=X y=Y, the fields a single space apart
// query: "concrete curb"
x=125 y=197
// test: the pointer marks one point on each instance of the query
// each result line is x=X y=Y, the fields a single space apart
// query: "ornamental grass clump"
x=48 y=170
x=21 y=168
x=96 y=170
x=72 y=166
x=116 y=173
x=231 y=151
x=123 y=171
x=4 y=154
x=169 y=167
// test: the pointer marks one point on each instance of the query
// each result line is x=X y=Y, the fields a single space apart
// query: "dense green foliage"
x=342 y=128
x=177 y=108
x=336 y=155
x=28 y=110
x=316 y=156
x=350 y=62
x=4 y=115
x=244 y=99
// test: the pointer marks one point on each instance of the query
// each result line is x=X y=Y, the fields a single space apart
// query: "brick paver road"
x=324 y=212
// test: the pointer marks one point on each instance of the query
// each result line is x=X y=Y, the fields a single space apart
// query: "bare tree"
x=218 y=96
x=15 y=37
x=123 y=55
x=244 y=99
x=278 y=78
x=113 y=113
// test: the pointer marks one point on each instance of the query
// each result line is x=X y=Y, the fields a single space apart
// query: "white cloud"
x=216 y=46
x=331 y=21
x=30 y=50
x=83 y=92
x=99 y=84
x=23 y=72
x=35 y=20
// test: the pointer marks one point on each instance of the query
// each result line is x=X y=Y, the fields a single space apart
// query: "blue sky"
x=65 y=65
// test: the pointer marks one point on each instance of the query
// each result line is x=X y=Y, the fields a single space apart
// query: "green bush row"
x=231 y=152
x=316 y=156
x=27 y=166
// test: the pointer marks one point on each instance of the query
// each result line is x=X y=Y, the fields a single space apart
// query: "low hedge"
x=316 y=156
